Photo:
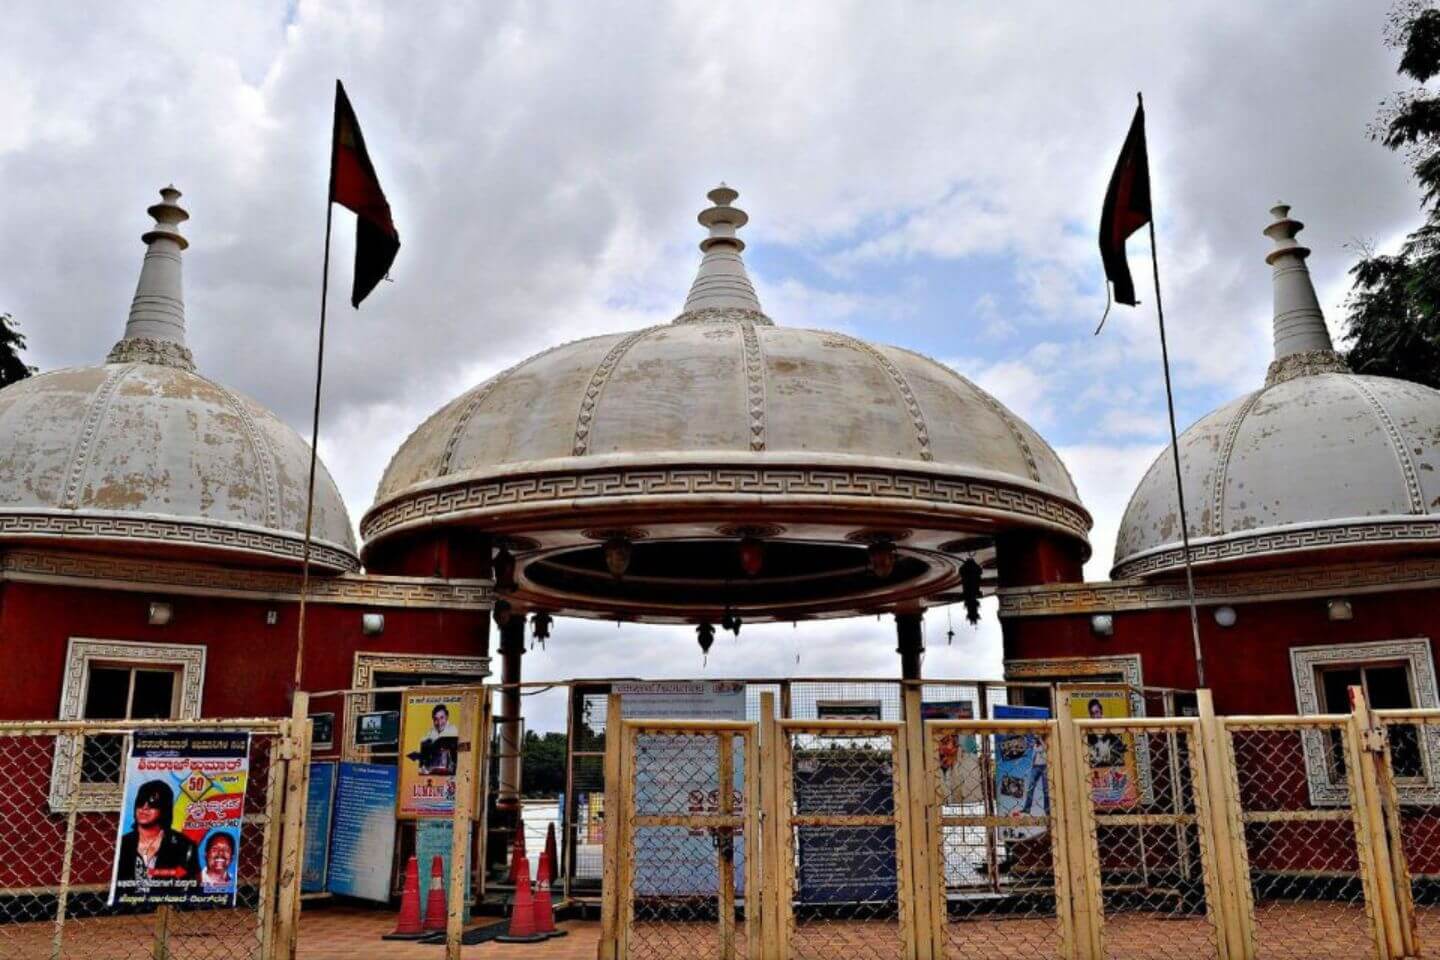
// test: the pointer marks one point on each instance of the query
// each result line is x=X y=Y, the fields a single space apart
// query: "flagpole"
x=315 y=417
x=1175 y=455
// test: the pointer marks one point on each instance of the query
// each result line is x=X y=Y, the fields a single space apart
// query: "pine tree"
x=12 y=341
x=1393 y=312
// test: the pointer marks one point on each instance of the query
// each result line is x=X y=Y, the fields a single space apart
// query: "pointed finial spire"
x=721 y=282
x=155 y=332
x=1302 y=341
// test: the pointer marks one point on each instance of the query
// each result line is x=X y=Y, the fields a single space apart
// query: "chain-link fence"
x=685 y=872
x=60 y=822
x=1301 y=837
x=990 y=790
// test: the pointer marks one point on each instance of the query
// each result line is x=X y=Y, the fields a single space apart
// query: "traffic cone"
x=407 y=926
x=437 y=909
x=551 y=852
x=522 y=910
x=544 y=910
x=517 y=853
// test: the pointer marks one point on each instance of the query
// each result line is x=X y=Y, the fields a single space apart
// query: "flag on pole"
x=353 y=184
x=1127 y=209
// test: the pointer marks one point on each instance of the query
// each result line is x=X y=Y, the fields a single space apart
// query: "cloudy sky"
x=924 y=174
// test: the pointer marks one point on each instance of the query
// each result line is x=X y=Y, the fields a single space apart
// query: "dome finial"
x=155 y=332
x=1302 y=341
x=722 y=283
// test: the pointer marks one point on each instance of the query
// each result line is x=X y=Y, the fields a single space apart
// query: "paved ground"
x=337 y=933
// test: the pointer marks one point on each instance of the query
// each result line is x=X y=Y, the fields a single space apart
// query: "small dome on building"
x=143 y=453
x=1319 y=460
x=722 y=412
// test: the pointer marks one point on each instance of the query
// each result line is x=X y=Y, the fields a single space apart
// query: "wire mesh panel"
x=844 y=873
x=1306 y=874
x=59 y=825
x=1152 y=846
x=685 y=856
x=1414 y=778
x=991 y=789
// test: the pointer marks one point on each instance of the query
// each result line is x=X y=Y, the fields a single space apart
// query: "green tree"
x=12 y=341
x=1393 y=312
x=543 y=764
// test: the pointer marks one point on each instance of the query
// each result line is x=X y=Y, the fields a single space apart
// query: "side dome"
x=682 y=441
x=143 y=453
x=1320 y=462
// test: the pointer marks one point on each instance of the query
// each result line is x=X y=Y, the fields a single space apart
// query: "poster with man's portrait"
x=432 y=728
x=178 y=841
x=1110 y=754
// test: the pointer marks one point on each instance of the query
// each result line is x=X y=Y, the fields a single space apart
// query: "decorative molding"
x=1222 y=464
x=473 y=404
x=585 y=418
x=153 y=350
x=1304 y=364
x=264 y=453
x=724 y=315
x=177 y=577
x=80 y=453
x=368 y=663
x=1235 y=546
x=907 y=395
x=1416 y=653
x=83 y=652
x=1016 y=433
x=754 y=384
x=1398 y=445
x=570 y=490
x=1064 y=599
x=24 y=525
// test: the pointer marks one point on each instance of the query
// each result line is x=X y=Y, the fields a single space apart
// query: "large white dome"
x=141 y=452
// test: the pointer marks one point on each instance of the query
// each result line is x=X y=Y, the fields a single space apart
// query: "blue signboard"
x=846 y=864
x=432 y=839
x=318 y=800
x=1021 y=765
x=362 y=840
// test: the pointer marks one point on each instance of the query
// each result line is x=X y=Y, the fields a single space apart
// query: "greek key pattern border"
x=1235 y=546
x=125 y=573
x=771 y=481
x=151 y=529
x=1107 y=597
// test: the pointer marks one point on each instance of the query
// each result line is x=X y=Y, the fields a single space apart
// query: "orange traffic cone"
x=551 y=852
x=407 y=926
x=522 y=910
x=436 y=907
x=544 y=910
x=517 y=853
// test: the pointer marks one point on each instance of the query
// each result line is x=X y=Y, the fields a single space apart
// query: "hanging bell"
x=970 y=574
x=504 y=570
x=705 y=634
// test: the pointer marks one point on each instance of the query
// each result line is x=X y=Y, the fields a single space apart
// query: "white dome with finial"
x=1318 y=462
x=143 y=453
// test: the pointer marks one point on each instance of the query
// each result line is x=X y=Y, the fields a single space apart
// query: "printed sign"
x=378 y=729
x=1022 y=765
x=431 y=728
x=362 y=840
x=432 y=839
x=322 y=731
x=958 y=754
x=178 y=840
x=850 y=864
x=1111 y=755
x=319 y=799
x=847 y=709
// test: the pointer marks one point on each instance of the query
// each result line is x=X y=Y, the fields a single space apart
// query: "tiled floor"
x=338 y=933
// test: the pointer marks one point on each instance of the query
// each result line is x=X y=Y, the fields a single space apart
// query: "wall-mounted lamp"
x=1340 y=610
x=372 y=624
x=272 y=617
x=1103 y=625
x=1225 y=616
x=160 y=614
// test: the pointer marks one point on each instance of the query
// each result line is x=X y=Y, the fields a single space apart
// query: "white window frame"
x=187 y=660
x=1416 y=654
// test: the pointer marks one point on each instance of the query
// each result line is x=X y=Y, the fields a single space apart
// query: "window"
x=117 y=691
x=116 y=680
x=1395 y=675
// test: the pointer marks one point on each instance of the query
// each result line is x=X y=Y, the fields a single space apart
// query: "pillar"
x=512 y=648
x=910 y=644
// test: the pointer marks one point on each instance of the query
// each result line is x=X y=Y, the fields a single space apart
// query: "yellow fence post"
x=924 y=841
x=755 y=844
x=1367 y=746
x=1400 y=866
x=470 y=754
x=1230 y=902
x=610 y=859
x=1077 y=832
x=774 y=845
x=297 y=761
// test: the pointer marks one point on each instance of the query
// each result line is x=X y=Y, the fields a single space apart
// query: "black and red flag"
x=353 y=184
x=1127 y=209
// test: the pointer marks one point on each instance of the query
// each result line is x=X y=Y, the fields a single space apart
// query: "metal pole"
x=1175 y=454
